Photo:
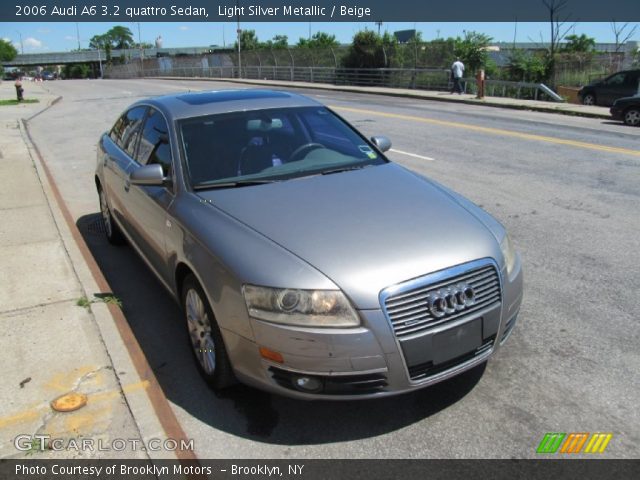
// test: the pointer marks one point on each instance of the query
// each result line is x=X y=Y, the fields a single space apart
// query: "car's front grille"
x=409 y=311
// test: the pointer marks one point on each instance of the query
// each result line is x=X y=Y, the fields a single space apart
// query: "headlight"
x=508 y=253
x=307 y=308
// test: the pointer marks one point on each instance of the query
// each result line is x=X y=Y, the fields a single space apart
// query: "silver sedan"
x=306 y=262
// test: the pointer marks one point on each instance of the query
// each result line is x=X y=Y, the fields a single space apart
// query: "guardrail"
x=418 y=78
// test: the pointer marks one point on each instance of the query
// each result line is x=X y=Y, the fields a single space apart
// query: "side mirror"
x=382 y=143
x=149 y=175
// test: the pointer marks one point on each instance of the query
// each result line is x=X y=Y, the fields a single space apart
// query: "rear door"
x=119 y=147
x=147 y=206
x=621 y=84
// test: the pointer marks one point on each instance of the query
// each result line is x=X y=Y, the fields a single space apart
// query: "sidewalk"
x=500 y=102
x=51 y=346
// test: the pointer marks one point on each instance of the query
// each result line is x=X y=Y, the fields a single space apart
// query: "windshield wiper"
x=238 y=183
x=346 y=168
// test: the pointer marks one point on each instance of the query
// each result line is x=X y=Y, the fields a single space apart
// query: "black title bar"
x=316 y=11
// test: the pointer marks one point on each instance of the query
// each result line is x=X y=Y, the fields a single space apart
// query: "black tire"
x=631 y=117
x=589 y=99
x=111 y=229
x=204 y=336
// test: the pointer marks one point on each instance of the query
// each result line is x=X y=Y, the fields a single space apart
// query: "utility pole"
x=21 y=44
x=239 y=32
x=379 y=24
x=141 y=52
x=78 y=35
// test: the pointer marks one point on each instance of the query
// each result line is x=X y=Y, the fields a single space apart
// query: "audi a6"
x=306 y=262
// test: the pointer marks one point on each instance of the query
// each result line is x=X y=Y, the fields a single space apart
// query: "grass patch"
x=108 y=298
x=35 y=446
x=16 y=102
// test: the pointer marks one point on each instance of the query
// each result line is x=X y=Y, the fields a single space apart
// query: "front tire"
x=205 y=338
x=632 y=117
x=589 y=99
x=111 y=229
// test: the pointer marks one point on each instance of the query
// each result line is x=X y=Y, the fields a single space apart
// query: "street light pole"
x=78 y=35
x=239 y=32
x=141 y=52
x=21 y=44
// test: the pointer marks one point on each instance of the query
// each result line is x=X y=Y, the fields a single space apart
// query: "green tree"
x=248 y=40
x=318 y=40
x=472 y=50
x=78 y=70
x=527 y=67
x=101 y=42
x=7 y=51
x=366 y=51
x=120 y=37
x=579 y=44
x=277 y=42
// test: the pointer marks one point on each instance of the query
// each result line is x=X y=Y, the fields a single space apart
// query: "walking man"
x=457 y=72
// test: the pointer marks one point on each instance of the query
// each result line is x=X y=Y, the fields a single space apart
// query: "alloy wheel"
x=632 y=117
x=199 y=325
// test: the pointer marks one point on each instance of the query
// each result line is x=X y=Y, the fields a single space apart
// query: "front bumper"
x=616 y=112
x=371 y=361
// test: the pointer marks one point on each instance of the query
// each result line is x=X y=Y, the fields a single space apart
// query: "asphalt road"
x=567 y=189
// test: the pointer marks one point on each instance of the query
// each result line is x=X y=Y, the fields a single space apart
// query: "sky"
x=60 y=37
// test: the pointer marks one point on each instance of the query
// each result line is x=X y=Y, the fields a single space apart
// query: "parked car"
x=48 y=76
x=606 y=91
x=307 y=263
x=627 y=109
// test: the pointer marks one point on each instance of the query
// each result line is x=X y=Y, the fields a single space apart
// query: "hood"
x=365 y=229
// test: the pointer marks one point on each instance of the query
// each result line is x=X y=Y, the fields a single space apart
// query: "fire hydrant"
x=19 y=90
x=480 y=83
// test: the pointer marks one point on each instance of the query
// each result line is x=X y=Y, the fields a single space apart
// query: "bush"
x=79 y=70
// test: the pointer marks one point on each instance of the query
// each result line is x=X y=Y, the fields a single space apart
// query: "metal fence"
x=415 y=79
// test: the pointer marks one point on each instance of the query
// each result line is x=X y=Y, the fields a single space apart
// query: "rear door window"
x=126 y=130
x=154 y=143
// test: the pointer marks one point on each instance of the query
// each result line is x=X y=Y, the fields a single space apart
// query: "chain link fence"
x=412 y=66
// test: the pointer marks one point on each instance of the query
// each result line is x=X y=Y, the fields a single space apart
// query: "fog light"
x=308 y=384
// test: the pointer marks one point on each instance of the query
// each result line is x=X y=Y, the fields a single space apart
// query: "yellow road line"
x=494 y=131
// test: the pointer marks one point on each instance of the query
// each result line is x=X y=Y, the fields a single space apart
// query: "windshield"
x=270 y=145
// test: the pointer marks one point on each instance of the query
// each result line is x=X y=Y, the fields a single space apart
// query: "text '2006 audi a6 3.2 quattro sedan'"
x=306 y=262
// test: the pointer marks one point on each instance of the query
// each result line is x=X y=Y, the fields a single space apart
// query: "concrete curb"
x=151 y=412
x=390 y=92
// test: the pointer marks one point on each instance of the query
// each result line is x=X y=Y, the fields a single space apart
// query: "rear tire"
x=111 y=229
x=204 y=337
x=589 y=99
x=632 y=117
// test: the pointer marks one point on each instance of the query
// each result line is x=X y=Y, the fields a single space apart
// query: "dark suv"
x=608 y=90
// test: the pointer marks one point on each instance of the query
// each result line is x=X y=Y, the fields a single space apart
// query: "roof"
x=196 y=104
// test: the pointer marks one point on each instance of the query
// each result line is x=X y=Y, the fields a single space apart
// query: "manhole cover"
x=69 y=402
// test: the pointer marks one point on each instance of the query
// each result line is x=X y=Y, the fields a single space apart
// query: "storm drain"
x=95 y=226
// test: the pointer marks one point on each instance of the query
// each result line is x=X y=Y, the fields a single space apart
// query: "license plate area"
x=434 y=352
x=457 y=341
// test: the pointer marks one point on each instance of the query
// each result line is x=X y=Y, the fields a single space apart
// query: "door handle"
x=127 y=184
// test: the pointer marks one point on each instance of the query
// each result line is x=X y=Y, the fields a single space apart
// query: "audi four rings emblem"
x=452 y=299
